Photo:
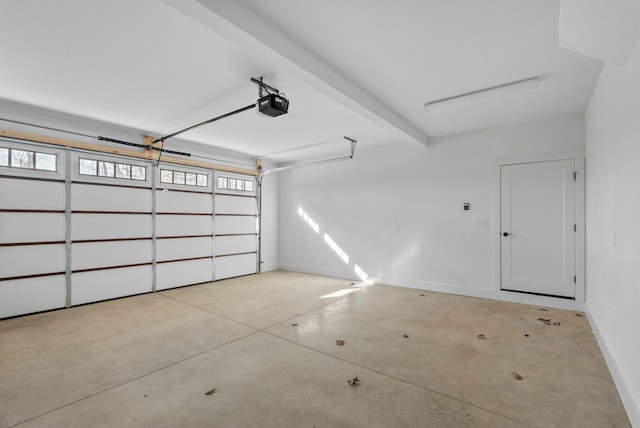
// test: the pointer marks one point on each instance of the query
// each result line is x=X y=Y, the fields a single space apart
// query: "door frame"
x=579 y=198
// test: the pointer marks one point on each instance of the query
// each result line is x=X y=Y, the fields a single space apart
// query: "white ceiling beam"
x=240 y=25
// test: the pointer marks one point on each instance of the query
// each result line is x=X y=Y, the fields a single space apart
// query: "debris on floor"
x=543 y=309
x=547 y=321
x=210 y=392
x=295 y=324
x=422 y=294
x=340 y=342
x=406 y=336
x=481 y=336
x=353 y=283
x=355 y=381
x=517 y=375
x=526 y=335
x=579 y=315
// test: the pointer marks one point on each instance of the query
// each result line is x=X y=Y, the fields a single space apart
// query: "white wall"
x=613 y=206
x=397 y=210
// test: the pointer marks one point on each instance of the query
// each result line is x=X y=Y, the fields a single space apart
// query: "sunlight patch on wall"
x=331 y=243
x=309 y=220
x=362 y=275
x=366 y=281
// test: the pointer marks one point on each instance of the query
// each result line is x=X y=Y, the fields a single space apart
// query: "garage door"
x=236 y=232
x=80 y=227
x=184 y=227
x=111 y=227
x=32 y=228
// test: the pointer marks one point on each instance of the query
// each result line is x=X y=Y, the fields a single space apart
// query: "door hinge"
x=575 y=279
x=575 y=228
x=575 y=175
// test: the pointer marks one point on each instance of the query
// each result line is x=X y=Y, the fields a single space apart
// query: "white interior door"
x=537 y=231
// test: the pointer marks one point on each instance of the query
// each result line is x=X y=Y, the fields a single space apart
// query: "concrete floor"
x=267 y=344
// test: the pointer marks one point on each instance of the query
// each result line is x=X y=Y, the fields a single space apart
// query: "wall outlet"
x=483 y=222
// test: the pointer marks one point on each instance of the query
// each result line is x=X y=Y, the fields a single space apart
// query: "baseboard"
x=324 y=272
x=505 y=296
x=630 y=405
x=442 y=287
x=269 y=268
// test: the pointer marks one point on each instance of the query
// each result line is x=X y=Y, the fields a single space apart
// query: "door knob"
x=506 y=234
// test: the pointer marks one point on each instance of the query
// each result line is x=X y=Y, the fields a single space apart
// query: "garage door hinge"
x=575 y=174
x=575 y=280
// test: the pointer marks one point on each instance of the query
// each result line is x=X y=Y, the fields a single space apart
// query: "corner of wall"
x=630 y=404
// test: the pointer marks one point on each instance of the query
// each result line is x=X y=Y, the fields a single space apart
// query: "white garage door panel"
x=31 y=195
x=107 y=284
x=235 y=205
x=105 y=198
x=177 y=274
x=31 y=260
x=110 y=226
x=235 y=244
x=102 y=254
x=181 y=202
x=235 y=224
x=183 y=225
x=183 y=248
x=31 y=227
x=228 y=267
x=24 y=296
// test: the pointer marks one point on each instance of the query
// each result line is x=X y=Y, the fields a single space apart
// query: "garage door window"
x=235 y=184
x=15 y=158
x=182 y=178
x=111 y=169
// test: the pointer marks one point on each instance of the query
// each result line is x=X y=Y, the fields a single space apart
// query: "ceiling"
x=352 y=68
